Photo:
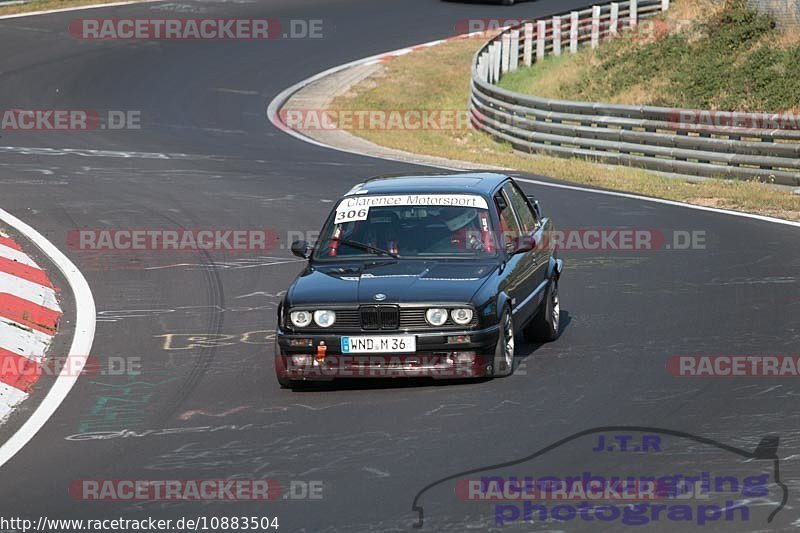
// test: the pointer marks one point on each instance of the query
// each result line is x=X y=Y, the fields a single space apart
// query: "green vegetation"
x=438 y=78
x=698 y=55
x=42 y=5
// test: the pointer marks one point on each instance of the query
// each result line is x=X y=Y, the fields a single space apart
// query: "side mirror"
x=536 y=207
x=301 y=249
x=523 y=244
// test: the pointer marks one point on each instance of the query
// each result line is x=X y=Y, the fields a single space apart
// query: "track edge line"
x=275 y=105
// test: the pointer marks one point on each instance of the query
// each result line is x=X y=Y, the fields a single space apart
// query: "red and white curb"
x=29 y=315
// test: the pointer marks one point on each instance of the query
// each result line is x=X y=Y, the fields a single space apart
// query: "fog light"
x=304 y=343
x=458 y=339
x=301 y=360
x=462 y=358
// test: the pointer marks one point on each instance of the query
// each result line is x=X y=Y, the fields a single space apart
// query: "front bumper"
x=437 y=356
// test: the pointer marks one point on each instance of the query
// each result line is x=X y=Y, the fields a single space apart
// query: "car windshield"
x=408 y=226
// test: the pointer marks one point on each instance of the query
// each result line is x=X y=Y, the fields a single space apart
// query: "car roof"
x=483 y=183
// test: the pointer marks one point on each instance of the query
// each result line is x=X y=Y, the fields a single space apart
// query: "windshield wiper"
x=367 y=248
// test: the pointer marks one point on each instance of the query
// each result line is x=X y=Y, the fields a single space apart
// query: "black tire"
x=287 y=383
x=507 y=2
x=545 y=325
x=503 y=364
x=283 y=381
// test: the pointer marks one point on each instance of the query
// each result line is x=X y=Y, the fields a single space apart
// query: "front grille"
x=390 y=317
x=386 y=318
x=380 y=317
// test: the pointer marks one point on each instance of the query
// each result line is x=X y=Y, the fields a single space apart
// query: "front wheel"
x=287 y=383
x=544 y=327
x=503 y=364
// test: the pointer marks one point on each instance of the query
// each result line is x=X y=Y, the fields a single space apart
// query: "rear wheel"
x=503 y=364
x=544 y=327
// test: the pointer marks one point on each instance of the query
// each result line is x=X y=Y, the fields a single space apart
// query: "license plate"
x=380 y=344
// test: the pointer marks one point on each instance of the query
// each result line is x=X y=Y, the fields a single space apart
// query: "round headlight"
x=436 y=317
x=461 y=316
x=300 y=319
x=324 y=319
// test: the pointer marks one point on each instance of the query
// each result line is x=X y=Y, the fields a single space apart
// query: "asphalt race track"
x=206 y=157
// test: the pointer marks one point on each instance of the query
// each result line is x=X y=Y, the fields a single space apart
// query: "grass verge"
x=438 y=78
x=43 y=5
x=699 y=54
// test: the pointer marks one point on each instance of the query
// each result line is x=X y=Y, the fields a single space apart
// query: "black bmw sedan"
x=421 y=276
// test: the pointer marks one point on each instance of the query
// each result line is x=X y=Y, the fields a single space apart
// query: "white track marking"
x=87 y=152
x=81 y=342
x=10 y=397
x=76 y=8
x=30 y=344
x=762 y=218
x=16 y=255
x=274 y=107
x=28 y=290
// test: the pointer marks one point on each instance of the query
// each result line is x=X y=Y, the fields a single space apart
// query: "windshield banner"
x=357 y=207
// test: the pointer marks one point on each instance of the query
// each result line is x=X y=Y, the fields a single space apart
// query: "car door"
x=515 y=271
x=532 y=264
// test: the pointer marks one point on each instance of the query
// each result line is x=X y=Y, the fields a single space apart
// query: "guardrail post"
x=595 y=26
x=574 y=21
x=541 y=30
x=489 y=63
x=614 y=18
x=706 y=154
x=496 y=62
x=556 y=36
x=527 y=49
x=634 y=13
x=664 y=5
x=513 y=62
x=505 y=54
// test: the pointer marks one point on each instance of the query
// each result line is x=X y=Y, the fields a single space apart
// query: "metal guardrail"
x=684 y=141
